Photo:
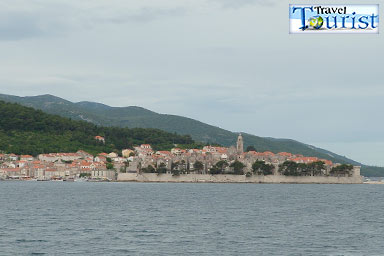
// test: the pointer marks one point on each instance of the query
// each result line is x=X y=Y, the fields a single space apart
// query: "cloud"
x=146 y=14
x=30 y=19
x=211 y=60
x=242 y=3
x=19 y=26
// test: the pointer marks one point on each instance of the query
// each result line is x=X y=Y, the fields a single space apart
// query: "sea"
x=87 y=218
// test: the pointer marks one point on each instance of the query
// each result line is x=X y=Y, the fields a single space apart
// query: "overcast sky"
x=230 y=63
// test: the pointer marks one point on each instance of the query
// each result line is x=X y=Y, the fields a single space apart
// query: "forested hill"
x=24 y=130
x=133 y=116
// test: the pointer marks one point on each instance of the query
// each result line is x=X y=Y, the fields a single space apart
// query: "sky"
x=228 y=63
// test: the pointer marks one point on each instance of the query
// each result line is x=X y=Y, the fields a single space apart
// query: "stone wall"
x=153 y=177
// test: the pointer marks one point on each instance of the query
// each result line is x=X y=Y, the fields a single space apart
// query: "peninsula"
x=209 y=164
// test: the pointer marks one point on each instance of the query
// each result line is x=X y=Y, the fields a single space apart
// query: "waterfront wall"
x=205 y=178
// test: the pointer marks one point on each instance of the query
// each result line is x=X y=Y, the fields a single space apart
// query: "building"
x=100 y=138
x=127 y=152
x=240 y=145
x=26 y=158
x=103 y=174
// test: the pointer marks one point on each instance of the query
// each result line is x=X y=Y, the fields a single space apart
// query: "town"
x=212 y=160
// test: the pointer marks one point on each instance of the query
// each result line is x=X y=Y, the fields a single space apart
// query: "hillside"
x=24 y=130
x=134 y=116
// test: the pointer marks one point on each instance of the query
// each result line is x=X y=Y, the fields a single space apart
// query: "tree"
x=221 y=165
x=250 y=148
x=343 y=169
x=316 y=168
x=149 y=169
x=109 y=166
x=162 y=168
x=214 y=170
x=182 y=166
x=237 y=168
x=198 y=166
x=25 y=130
x=261 y=168
x=175 y=172
x=289 y=168
x=174 y=165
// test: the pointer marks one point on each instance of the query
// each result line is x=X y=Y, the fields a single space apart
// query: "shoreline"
x=224 y=178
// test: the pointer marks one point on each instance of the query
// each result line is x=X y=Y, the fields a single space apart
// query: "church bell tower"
x=240 y=145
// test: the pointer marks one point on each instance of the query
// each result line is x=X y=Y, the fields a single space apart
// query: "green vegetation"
x=218 y=168
x=290 y=168
x=100 y=114
x=161 y=168
x=24 y=130
x=198 y=166
x=237 y=168
x=222 y=165
x=104 y=115
x=215 y=170
x=179 y=167
x=261 y=168
x=175 y=172
x=344 y=169
x=250 y=148
x=149 y=169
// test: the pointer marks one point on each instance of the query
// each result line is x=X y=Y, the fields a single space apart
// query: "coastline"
x=222 y=178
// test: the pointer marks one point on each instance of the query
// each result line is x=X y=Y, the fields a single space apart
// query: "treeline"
x=290 y=168
x=25 y=130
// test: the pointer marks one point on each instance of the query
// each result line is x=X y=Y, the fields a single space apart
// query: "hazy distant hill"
x=139 y=117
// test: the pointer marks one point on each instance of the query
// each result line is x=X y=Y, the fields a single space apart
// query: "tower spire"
x=240 y=144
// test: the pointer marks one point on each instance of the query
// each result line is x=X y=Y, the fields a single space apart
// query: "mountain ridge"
x=138 y=117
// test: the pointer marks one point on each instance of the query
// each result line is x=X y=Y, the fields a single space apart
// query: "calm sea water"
x=56 y=218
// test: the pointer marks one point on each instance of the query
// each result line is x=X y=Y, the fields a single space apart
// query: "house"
x=103 y=174
x=87 y=165
x=52 y=173
x=53 y=157
x=285 y=154
x=100 y=138
x=26 y=158
x=13 y=157
x=112 y=155
x=164 y=153
x=178 y=151
x=224 y=157
x=20 y=164
x=209 y=149
x=12 y=172
x=305 y=160
x=127 y=152
x=100 y=159
x=195 y=151
x=84 y=154
x=144 y=150
x=145 y=146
